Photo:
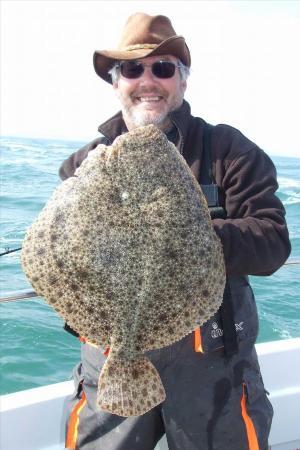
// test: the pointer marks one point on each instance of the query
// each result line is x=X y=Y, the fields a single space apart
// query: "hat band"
x=139 y=47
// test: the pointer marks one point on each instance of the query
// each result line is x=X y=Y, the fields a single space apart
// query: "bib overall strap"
x=210 y=191
x=228 y=325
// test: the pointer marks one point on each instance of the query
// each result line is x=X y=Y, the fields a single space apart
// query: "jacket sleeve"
x=69 y=166
x=254 y=235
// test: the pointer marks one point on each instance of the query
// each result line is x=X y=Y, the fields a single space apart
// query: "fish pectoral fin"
x=129 y=387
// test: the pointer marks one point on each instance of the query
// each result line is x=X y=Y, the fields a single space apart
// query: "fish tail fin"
x=129 y=387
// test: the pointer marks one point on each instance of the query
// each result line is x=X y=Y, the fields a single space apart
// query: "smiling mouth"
x=153 y=99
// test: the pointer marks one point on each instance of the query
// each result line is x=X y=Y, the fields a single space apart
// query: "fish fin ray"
x=129 y=387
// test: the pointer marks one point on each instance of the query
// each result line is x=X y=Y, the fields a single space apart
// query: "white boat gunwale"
x=34 y=419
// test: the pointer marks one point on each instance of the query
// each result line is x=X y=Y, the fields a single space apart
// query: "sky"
x=245 y=65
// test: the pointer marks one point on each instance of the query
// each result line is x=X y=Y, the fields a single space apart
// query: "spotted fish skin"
x=126 y=253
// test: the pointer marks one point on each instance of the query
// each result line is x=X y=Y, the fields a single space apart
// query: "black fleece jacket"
x=254 y=234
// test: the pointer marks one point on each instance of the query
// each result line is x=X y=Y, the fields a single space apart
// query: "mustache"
x=153 y=91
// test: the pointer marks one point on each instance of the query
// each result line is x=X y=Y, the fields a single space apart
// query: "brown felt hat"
x=143 y=35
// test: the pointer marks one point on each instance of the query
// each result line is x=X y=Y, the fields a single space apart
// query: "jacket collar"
x=115 y=126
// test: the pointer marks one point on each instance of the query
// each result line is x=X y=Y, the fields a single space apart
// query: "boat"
x=34 y=419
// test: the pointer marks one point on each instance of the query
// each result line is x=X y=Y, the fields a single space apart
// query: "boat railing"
x=21 y=294
x=24 y=294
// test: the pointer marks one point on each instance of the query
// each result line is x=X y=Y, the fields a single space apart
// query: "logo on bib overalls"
x=218 y=332
x=239 y=326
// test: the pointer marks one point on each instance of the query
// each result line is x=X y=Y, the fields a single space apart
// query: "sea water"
x=35 y=350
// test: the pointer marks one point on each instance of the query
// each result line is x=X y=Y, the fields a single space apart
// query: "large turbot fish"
x=125 y=252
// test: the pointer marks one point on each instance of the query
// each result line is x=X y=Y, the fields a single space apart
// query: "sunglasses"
x=160 y=69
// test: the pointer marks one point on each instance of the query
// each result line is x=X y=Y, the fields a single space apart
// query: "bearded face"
x=148 y=99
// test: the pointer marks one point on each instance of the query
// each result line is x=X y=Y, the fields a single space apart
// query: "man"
x=215 y=395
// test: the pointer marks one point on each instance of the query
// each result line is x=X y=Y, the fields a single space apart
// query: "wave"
x=289 y=190
x=38 y=145
x=288 y=183
x=293 y=200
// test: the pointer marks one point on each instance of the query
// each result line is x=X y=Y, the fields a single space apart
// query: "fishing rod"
x=11 y=296
x=8 y=251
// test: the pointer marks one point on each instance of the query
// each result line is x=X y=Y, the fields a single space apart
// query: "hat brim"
x=105 y=59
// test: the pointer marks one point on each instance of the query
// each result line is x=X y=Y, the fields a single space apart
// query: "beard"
x=143 y=118
x=136 y=116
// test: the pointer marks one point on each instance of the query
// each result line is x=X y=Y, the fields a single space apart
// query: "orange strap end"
x=198 y=341
x=72 y=433
x=106 y=351
x=251 y=433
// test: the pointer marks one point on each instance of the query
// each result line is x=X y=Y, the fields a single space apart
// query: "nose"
x=147 y=76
